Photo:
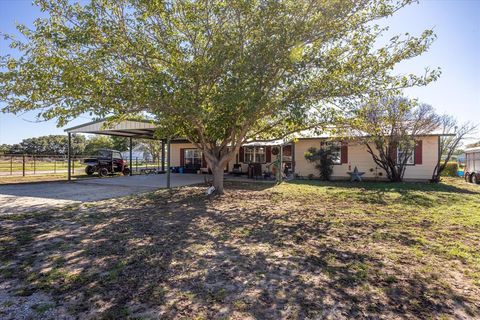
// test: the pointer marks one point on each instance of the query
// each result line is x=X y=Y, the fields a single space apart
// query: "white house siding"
x=175 y=149
x=359 y=156
x=430 y=158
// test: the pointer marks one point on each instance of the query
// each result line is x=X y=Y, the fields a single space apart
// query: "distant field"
x=16 y=166
x=30 y=165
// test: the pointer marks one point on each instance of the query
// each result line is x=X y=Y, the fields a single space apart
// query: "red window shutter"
x=268 y=152
x=182 y=157
x=418 y=152
x=344 y=153
x=241 y=155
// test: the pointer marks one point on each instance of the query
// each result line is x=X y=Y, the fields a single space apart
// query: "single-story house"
x=351 y=153
x=261 y=155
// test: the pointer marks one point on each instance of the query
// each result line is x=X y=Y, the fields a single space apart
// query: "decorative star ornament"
x=356 y=175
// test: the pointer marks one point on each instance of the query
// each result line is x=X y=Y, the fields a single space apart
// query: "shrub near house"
x=451 y=169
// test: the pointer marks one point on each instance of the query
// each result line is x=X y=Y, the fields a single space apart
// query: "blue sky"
x=456 y=52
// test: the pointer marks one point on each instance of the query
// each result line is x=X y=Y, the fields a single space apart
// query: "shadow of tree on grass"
x=182 y=254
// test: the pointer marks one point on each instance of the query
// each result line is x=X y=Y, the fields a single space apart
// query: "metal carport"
x=142 y=129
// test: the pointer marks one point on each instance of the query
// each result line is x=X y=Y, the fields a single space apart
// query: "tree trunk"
x=396 y=174
x=217 y=172
x=436 y=173
x=217 y=160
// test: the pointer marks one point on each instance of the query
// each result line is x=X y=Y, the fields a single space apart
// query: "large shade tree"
x=213 y=71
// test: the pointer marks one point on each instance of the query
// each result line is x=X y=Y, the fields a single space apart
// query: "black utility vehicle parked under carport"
x=106 y=162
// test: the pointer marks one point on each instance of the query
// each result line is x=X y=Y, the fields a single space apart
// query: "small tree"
x=450 y=141
x=121 y=143
x=5 y=148
x=154 y=148
x=323 y=160
x=98 y=142
x=389 y=124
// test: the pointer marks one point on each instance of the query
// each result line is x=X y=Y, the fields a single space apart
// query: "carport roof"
x=126 y=128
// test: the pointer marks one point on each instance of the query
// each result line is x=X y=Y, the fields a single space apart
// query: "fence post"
x=73 y=165
x=136 y=164
x=34 y=165
x=11 y=165
x=23 y=165
x=54 y=165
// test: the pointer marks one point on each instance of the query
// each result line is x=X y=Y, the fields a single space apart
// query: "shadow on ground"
x=181 y=254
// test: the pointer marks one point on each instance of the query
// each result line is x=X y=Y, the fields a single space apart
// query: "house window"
x=254 y=154
x=193 y=157
x=405 y=154
x=335 y=149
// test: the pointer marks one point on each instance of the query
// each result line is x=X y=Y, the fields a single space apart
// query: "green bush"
x=322 y=158
x=451 y=170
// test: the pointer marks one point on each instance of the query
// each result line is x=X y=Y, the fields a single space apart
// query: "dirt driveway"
x=31 y=197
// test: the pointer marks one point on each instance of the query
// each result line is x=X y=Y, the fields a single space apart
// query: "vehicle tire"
x=102 y=172
x=474 y=178
x=90 y=170
x=126 y=171
x=469 y=177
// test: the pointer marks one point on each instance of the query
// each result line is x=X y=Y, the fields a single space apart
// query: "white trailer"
x=472 y=162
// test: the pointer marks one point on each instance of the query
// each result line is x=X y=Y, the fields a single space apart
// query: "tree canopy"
x=58 y=144
x=47 y=145
x=216 y=72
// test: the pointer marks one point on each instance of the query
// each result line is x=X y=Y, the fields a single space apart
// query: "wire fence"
x=31 y=164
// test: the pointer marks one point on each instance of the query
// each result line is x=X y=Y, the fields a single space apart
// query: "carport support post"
x=68 y=155
x=280 y=169
x=168 y=163
x=163 y=155
x=130 y=160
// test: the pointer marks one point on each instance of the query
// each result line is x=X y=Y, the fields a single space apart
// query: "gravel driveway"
x=33 y=197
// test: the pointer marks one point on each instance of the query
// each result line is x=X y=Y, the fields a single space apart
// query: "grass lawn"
x=294 y=251
x=38 y=165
